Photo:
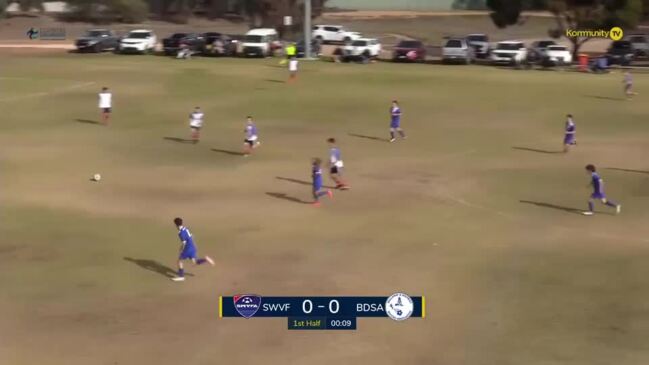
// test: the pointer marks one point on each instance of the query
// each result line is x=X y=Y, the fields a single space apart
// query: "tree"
x=28 y=5
x=3 y=8
x=573 y=15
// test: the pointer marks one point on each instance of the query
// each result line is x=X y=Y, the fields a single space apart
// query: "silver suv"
x=457 y=50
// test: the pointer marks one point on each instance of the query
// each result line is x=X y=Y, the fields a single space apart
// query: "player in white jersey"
x=628 y=85
x=292 y=69
x=196 y=123
x=105 y=104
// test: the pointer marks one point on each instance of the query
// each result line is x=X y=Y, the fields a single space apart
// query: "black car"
x=217 y=44
x=97 y=40
x=315 y=48
x=194 y=42
x=620 y=53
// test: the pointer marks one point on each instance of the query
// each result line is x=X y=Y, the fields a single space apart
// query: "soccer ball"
x=96 y=177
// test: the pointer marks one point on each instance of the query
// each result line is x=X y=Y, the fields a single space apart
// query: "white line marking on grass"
x=46 y=93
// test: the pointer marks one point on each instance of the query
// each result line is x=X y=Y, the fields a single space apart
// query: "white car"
x=333 y=33
x=509 y=52
x=480 y=44
x=362 y=49
x=457 y=49
x=138 y=41
x=261 y=42
x=557 y=54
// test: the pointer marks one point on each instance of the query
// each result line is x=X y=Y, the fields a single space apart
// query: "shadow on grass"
x=553 y=206
x=301 y=182
x=275 y=81
x=228 y=152
x=284 y=196
x=604 y=97
x=535 y=150
x=626 y=170
x=369 y=137
x=178 y=140
x=87 y=121
x=154 y=266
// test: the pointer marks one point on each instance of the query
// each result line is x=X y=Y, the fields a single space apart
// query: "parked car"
x=640 y=44
x=409 y=50
x=315 y=48
x=261 y=42
x=457 y=49
x=556 y=55
x=334 y=33
x=191 y=41
x=363 y=49
x=509 y=52
x=480 y=44
x=138 y=41
x=217 y=44
x=97 y=40
x=539 y=47
x=620 y=53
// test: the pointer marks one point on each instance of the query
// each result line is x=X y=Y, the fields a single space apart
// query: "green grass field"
x=476 y=211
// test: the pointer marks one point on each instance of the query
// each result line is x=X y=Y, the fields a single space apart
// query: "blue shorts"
x=395 y=125
x=317 y=187
x=569 y=139
x=598 y=196
x=188 y=254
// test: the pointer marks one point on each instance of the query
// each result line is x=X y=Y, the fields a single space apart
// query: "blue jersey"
x=251 y=130
x=316 y=176
x=598 y=184
x=186 y=237
x=395 y=113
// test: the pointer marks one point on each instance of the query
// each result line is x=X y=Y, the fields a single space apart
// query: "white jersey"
x=105 y=100
x=196 y=119
x=292 y=65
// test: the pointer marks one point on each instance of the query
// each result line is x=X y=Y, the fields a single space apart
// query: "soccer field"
x=477 y=210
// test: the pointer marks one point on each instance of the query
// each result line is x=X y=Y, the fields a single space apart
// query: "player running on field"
x=292 y=69
x=628 y=85
x=105 y=104
x=569 y=138
x=196 y=123
x=187 y=250
x=316 y=178
x=598 y=192
x=395 y=121
x=336 y=165
x=252 y=139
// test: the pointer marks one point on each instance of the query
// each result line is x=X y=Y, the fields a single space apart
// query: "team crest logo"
x=247 y=305
x=399 y=306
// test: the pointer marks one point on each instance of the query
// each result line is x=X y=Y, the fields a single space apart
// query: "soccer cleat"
x=330 y=193
x=316 y=204
x=344 y=187
x=178 y=278
x=209 y=260
x=587 y=213
x=618 y=209
x=392 y=139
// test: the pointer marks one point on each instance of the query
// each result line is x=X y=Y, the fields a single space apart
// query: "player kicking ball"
x=105 y=105
x=252 y=139
x=569 y=138
x=187 y=250
x=316 y=178
x=196 y=123
x=336 y=165
x=395 y=121
x=598 y=192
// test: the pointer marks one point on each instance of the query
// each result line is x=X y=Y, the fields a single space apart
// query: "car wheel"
x=96 y=48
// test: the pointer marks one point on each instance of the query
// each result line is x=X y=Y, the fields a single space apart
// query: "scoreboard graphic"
x=323 y=313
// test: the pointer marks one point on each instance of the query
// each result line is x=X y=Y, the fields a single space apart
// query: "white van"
x=260 y=42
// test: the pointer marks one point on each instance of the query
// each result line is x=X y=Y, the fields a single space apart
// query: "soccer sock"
x=200 y=261
x=181 y=272
x=611 y=204
x=403 y=135
x=392 y=135
x=591 y=206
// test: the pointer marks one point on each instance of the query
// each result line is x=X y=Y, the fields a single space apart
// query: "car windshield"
x=557 y=48
x=139 y=35
x=95 y=33
x=509 y=46
x=454 y=43
x=544 y=44
x=179 y=35
x=621 y=45
x=409 y=44
x=478 y=38
x=359 y=43
x=254 y=39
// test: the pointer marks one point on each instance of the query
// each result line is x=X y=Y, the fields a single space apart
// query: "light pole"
x=307 y=29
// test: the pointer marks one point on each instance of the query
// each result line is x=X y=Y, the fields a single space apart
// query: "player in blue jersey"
x=252 y=139
x=336 y=165
x=187 y=250
x=569 y=138
x=395 y=121
x=316 y=178
x=598 y=192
